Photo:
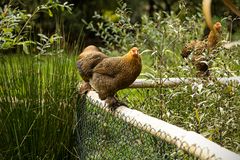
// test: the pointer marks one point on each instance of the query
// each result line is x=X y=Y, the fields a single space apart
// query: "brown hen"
x=197 y=48
x=115 y=73
x=88 y=59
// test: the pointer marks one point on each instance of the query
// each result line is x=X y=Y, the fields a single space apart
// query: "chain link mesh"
x=101 y=135
x=110 y=135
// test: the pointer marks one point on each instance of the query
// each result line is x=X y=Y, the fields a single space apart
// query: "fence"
x=169 y=82
x=130 y=134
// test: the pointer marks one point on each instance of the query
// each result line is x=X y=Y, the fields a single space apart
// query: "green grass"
x=37 y=99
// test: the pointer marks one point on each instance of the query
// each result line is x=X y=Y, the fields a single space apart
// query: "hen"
x=196 y=48
x=115 y=73
x=88 y=59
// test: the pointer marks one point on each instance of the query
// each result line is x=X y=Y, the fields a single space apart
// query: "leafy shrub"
x=16 y=26
x=204 y=106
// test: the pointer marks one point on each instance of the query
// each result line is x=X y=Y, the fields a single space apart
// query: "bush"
x=16 y=25
x=204 y=106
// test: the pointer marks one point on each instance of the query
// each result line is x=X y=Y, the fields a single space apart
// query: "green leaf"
x=43 y=37
x=7 y=30
x=62 y=8
x=25 y=48
x=51 y=40
x=50 y=13
x=197 y=116
x=7 y=45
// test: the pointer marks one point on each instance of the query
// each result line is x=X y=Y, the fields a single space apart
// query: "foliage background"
x=38 y=79
x=70 y=24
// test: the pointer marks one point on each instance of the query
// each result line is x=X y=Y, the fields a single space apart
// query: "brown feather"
x=116 y=73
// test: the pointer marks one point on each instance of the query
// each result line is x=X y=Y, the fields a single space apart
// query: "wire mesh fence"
x=101 y=135
x=110 y=135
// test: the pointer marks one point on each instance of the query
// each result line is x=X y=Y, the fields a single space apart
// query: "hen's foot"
x=113 y=103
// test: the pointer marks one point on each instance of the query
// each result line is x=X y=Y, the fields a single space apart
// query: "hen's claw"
x=113 y=103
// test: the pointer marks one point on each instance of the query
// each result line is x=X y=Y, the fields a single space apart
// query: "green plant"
x=115 y=31
x=204 y=106
x=160 y=37
x=38 y=101
x=16 y=26
x=46 y=43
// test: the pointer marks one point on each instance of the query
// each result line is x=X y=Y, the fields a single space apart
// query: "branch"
x=232 y=7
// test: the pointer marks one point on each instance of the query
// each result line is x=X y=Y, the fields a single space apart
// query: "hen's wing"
x=109 y=67
x=87 y=63
x=195 y=46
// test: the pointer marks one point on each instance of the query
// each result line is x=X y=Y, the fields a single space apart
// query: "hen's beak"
x=135 y=51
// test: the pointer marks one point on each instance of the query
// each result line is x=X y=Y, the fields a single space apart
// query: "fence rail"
x=188 y=141
x=168 y=82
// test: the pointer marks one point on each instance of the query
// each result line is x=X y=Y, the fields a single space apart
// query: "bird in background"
x=197 y=50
